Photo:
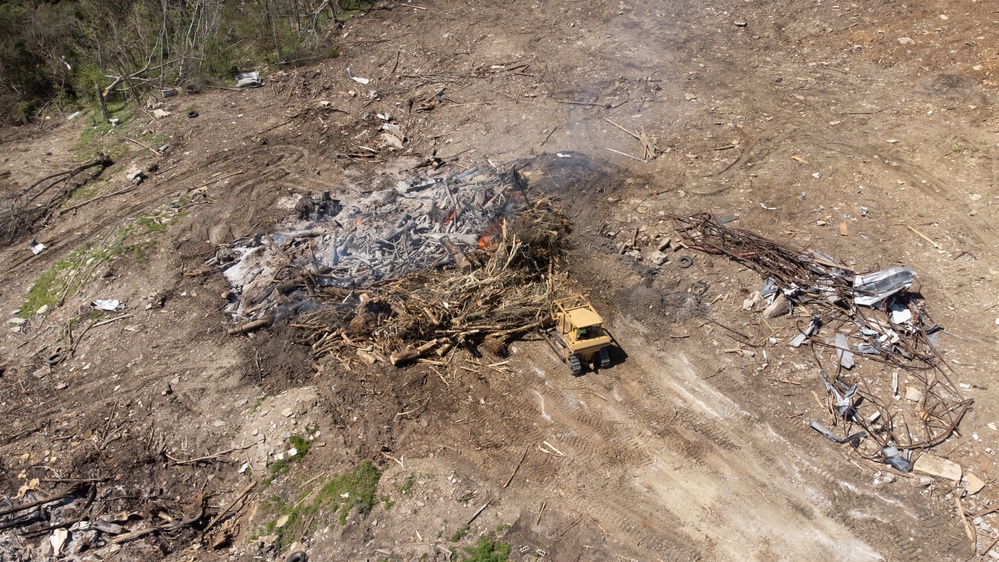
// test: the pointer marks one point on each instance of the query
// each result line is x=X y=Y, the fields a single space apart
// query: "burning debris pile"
x=873 y=315
x=370 y=235
x=429 y=263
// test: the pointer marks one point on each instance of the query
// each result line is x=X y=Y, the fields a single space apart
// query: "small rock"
x=292 y=452
x=975 y=196
x=906 y=41
x=913 y=394
x=42 y=310
x=779 y=307
x=658 y=258
x=939 y=467
x=281 y=521
x=689 y=97
x=740 y=23
x=992 y=426
x=135 y=175
x=925 y=480
x=62 y=386
x=665 y=244
x=16 y=321
x=748 y=304
x=287 y=412
x=973 y=484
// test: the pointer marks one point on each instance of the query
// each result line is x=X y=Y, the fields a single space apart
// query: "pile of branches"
x=20 y=212
x=827 y=291
x=498 y=298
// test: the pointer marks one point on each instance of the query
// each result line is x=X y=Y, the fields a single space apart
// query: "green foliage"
x=341 y=494
x=282 y=466
x=62 y=50
x=459 y=534
x=37 y=42
x=487 y=549
x=406 y=486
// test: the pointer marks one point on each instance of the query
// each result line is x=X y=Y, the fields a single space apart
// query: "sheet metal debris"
x=876 y=315
x=249 y=80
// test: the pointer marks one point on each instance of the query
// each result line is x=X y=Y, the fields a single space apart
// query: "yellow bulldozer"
x=575 y=331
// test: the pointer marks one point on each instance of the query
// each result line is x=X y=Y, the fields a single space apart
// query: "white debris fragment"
x=356 y=78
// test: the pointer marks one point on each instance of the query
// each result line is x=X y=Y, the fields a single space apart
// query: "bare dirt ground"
x=790 y=115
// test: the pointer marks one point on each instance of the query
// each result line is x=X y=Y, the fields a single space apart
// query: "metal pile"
x=369 y=235
x=873 y=315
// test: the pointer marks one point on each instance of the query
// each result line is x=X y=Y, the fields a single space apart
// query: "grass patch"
x=487 y=549
x=72 y=273
x=339 y=495
x=67 y=276
x=103 y=138
x=282 y=466
x=406 y=487
x=459 y=534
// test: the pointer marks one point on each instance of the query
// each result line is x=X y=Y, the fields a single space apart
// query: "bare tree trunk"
x=163 y=32
x=102 y=102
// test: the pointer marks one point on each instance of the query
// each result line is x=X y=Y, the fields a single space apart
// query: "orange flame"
x=491 y=237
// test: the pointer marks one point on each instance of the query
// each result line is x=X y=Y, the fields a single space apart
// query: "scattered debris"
x=36 y=247
x=972 y=483
x=356 y=78
x=875 y=308
x=108 y=305
x=249 y=80
x=135 y=175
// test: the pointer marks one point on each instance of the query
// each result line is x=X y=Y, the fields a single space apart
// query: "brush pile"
x=493 y=301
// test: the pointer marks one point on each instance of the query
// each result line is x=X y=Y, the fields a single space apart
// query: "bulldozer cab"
x=578 y=323
x=576 y=333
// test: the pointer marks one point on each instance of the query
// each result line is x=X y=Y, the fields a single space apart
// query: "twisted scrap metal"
x=820 y=284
